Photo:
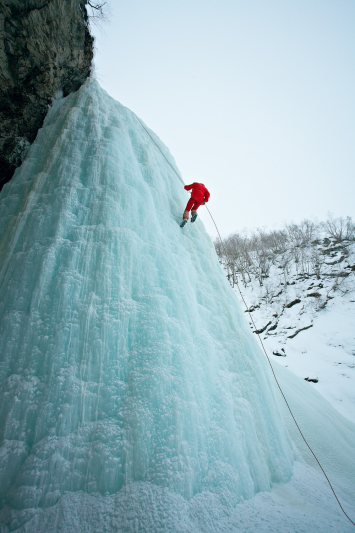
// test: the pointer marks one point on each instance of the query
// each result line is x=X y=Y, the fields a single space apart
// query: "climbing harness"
x=255 y=329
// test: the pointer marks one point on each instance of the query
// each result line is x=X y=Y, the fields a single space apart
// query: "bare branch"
x=97 y=11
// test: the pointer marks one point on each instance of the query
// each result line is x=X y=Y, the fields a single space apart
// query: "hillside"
x=299 y=284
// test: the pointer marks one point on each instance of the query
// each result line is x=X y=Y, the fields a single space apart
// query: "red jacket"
x=199 y=192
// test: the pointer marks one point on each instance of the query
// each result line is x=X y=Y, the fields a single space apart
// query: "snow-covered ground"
x=326 y=350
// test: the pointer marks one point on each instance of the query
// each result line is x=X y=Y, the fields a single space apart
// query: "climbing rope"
x=278 y=384
x=261 y=342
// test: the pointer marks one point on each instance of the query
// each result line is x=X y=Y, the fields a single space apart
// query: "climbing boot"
x=193 y=216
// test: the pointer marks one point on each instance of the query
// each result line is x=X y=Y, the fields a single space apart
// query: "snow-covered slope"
x=134 y=397
x=325 y=307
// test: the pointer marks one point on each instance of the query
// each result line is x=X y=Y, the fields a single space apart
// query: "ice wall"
x=128 y=372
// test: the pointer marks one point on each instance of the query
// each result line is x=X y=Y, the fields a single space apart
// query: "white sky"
x=254 y=98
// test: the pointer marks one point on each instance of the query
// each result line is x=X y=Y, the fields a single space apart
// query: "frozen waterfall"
x=131 y=386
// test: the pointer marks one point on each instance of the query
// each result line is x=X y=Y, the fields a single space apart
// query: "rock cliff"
x=45 y=49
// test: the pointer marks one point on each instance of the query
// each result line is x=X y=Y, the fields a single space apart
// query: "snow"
x=134 y=396
x=326 y=351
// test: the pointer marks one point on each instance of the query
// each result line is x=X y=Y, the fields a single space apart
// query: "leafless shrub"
x=341 y=283
x=268 y=291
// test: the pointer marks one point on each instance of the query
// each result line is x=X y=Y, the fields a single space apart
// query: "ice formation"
x=133 y=395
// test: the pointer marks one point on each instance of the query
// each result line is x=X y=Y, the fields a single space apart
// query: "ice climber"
x=199 y=196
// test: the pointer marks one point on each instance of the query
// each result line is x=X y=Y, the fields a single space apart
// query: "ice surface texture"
x=126 y=363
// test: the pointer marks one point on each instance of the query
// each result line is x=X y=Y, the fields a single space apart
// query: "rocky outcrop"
x=45 y=49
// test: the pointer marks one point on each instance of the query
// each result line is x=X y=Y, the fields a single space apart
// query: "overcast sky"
x=254 y=98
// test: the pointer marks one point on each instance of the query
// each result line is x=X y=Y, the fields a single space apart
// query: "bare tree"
x=340 y=229
x=303 y=233
x=262 y=263
x=309 y=230
x=285 y=262
x=251 y=254
x=316 y=262
x=277 y=241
